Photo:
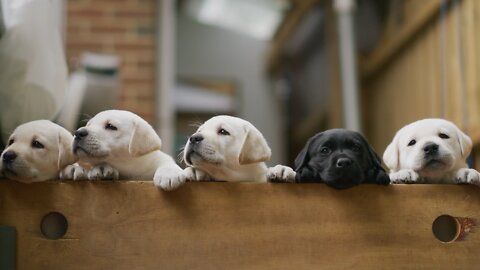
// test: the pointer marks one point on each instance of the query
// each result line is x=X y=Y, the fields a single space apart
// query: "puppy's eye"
x=110 y=126
x=223 y=132
x=356 y=148
x=37 y=144
x=11 y=142
x=443 y=136
x=325 y=150
x=412 y=142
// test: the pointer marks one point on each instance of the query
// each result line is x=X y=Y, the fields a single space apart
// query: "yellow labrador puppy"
x=37 y=151
x=120 y=144
x=430 y=151
x=228 y=148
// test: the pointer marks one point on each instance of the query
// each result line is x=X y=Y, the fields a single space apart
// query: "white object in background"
x=257 y=18
x=68 y=116
x=193 y=99
x=33 y=76
x=91 y=89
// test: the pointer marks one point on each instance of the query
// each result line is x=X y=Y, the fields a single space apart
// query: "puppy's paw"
x=169 y=178
x=74 y=171
x=193 y=174
x=467 y=176
x=103 y=172
x=404 y=177
x=281 y=173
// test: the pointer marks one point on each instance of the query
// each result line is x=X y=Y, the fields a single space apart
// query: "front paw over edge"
x=103 y=172
x=281 y=174
x=74 y=171
x=404 y=177
x=169 y=178
x=467 y=176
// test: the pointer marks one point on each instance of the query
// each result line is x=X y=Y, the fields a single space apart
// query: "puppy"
x=37 y=151
x=228 y=148
x=341 y=159
x=430 y=151
x=120 y=144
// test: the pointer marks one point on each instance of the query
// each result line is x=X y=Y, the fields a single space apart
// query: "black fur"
x=314 y=165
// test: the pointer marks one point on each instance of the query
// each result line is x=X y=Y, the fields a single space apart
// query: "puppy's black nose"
x=431 y=148
x=9 y=156
x=196 y=138
x=81 y=133
x=343 y=163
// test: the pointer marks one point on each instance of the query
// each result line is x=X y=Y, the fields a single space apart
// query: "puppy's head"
x=431 y=147
x=37 y=151
x=114 y=134
x=225 y=141
x=340 y=158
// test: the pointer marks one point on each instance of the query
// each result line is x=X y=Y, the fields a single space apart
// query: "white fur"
x=408 y=164
x=38 y=164
x=236 y=157
x=132 y=151
x=73 y=171
x=281 y=173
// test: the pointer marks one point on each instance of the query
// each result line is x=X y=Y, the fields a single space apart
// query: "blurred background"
x=291 y=67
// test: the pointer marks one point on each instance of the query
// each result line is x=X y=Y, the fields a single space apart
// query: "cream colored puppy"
x=37 y=151
x=120 y=144
x=430 y=151
x=231 y=149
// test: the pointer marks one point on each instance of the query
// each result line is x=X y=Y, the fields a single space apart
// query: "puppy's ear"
x=375 y=173
x=303 y=157
x=144 y=139
x=465 y=143
x=303 y=172
x=254 y=148
x=391 y=155
x=65 y=152
x=375 y=159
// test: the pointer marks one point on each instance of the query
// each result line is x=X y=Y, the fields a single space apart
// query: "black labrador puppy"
x=341 y=159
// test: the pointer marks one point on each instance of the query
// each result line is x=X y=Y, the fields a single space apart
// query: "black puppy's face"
x=340 y=158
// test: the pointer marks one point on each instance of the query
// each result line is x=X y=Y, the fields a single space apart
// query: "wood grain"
x=390 y=45
x=410 y=84
x=132 y=225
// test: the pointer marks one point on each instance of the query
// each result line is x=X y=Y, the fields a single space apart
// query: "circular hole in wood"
x=54 y=225
x=445 y=228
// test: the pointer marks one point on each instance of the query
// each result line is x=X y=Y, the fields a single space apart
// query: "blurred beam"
x=165 y=74
x=345 y=10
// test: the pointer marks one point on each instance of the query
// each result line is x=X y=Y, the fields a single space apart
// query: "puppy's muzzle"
x=78 y=141
x=80 y=134
x=193 y=142
x=430 y=149
x=343 y=163
x=9 y=157
x=196 y=139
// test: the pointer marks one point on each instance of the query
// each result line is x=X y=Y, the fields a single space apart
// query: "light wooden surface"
x=410 y=85
x=132 y=225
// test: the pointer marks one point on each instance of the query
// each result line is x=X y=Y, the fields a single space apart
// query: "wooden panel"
x=132 y=225
x=418 y=15
x=410 y=84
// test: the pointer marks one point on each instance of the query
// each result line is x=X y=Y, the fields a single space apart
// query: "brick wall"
x=122 y=27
